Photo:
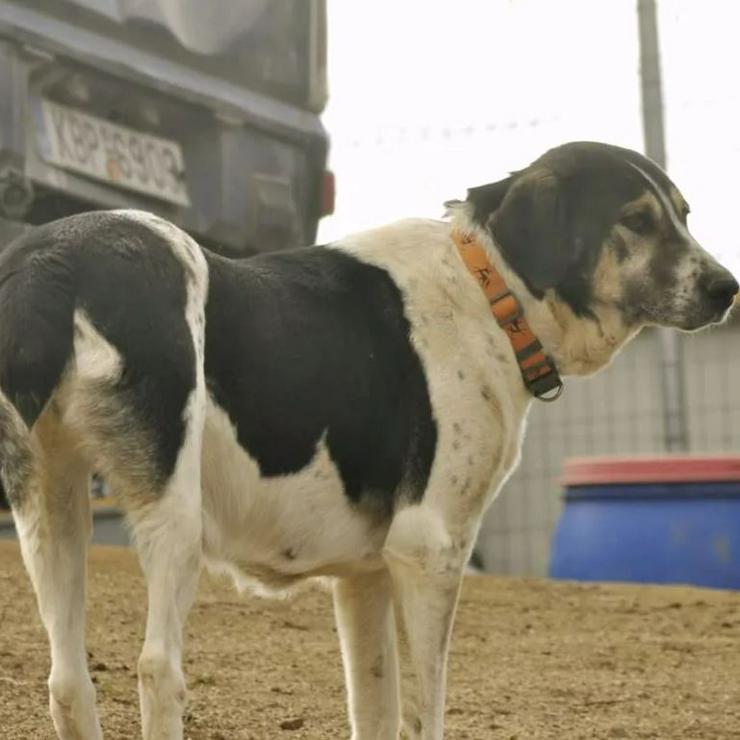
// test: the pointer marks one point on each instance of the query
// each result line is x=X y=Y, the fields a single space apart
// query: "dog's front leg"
x=426 y=569
x=367 y=633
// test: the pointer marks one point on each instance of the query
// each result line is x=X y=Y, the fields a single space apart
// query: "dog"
x=344 y=411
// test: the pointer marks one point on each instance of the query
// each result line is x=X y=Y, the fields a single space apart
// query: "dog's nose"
x=723 y=289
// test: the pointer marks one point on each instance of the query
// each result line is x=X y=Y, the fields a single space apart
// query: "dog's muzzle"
x=716 y=292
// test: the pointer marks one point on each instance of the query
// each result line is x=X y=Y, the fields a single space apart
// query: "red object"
x=586 y=471
x=328 y=193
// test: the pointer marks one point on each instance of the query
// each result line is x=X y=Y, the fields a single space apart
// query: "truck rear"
x=207 y=114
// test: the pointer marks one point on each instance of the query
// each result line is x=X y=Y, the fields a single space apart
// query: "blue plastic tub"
x=650 y=520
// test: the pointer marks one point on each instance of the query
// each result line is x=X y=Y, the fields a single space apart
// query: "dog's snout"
x=722 y=289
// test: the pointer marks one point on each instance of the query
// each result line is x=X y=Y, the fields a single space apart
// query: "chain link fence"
x=617 y=412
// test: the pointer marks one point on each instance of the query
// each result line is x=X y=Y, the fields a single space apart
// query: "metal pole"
x=675 y=428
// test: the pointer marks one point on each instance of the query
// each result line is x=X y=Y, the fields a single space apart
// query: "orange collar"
x=538 y=370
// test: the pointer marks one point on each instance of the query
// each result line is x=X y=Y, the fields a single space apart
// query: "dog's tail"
x=16 y=453
x=37 y=300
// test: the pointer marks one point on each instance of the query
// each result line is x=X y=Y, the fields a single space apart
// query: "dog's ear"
x=533 y=227
x=486 y=199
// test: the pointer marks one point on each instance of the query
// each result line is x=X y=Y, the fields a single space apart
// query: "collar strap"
x=539 y=373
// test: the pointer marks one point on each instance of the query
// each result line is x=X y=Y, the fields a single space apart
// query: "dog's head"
x=603 y=229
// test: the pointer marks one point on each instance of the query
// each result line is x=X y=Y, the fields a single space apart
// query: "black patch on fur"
x=132 y=288
x=486 y=199
x=551 y=219
x=313 y=342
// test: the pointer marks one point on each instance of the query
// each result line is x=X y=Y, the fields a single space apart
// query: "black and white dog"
x=345 y=411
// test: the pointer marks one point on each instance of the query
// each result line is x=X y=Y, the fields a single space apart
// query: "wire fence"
x=616 y=412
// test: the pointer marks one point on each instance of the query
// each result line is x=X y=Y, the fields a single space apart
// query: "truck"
x=206 y=113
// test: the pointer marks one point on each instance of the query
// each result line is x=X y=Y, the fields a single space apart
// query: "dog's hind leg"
x=52 y=516
x=166 y=525
x=367 y=633
x=168 y=538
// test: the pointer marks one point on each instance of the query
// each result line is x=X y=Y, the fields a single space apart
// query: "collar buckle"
x=548 y=387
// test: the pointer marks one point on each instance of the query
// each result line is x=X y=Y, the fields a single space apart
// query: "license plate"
x=114 y=154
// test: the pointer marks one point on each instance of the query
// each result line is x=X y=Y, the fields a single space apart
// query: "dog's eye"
x=641 y=222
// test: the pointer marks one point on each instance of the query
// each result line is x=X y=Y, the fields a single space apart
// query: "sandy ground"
x=530 y=659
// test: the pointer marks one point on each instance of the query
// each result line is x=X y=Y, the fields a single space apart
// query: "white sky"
x=429 y=97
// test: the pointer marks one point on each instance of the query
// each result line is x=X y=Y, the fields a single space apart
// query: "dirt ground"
x=530 y=659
